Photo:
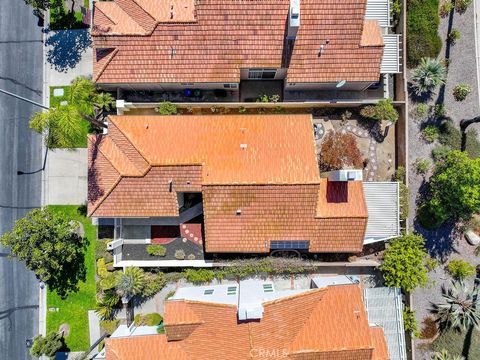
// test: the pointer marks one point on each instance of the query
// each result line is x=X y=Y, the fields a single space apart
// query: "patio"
x=375 y=143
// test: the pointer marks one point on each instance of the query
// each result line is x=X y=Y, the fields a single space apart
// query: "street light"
x=19 y=172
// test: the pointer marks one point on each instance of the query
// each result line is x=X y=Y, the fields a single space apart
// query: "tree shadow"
x=448 y=45
x=66 y=48
x=73 y=269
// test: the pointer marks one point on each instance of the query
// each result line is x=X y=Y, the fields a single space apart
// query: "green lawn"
x=73 y=309
x=55 y=102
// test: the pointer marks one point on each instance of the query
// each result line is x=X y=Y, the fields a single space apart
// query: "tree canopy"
x=404 y=263
x=338 y=151
x=50 y=247
x=47 y=345
x=62 y=126
x=454 y=189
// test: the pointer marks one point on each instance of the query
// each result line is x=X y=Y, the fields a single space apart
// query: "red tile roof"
x=255 y=166
x=329 y=323
x=222 y=37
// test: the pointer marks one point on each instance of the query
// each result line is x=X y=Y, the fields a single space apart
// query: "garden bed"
x=73 y=310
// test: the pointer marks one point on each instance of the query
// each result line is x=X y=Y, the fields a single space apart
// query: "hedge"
x=422 y=31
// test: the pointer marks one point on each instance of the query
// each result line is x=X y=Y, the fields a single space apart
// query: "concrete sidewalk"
x=66 y=177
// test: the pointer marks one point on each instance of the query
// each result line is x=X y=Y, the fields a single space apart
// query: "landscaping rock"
x=472 y=238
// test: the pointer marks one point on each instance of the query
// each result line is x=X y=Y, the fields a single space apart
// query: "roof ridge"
x=144 y=26
x=149 y=165
x=107 y=62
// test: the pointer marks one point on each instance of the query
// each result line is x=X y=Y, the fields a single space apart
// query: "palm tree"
x=429 y=74
x=460 y=308
x=130 y=283
x=444 y=355
x=62 y=126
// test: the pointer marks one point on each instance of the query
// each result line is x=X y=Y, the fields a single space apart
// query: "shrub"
x=169 y=294
x=156 y=250
x=167 y=108
x=109 y=326
x=153 y=284
x=422 y=166
x=404 y=263
x=199 y=275
x=382 y=111
x=462 y=5
x=439 y=111
x=404 y=198
x=429 y=329
x=368 y=111
x=48 y=345
x=473 y=224
x=107 y=282
x=422 y=31
x=446 y=7
x=400 y=174
x=431 y=263
x=440 y=152
x=214 y=109
x=430 y=133
x=429 y=74
x=409 y=322
x=338 y=151
x=101 y=250
x=264 y=98
x=101 y=268
x=449 y=135
x=179 y=254
x=453 y=36
x=191 y=257
x=242 y=110
x=151 y=319
x=461 y=91
x=421 y=111
x=460 y=269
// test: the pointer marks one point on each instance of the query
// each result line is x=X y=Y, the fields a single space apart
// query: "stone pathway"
x=372 y=149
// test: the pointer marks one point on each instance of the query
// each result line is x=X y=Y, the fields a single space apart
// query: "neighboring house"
x=254 y=320
x=211 y=44
x=201 y=185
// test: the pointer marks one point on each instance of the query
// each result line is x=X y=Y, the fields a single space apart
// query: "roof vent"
x=293 y=19
x=239 y=212
x=243 y=146
x=344 y=175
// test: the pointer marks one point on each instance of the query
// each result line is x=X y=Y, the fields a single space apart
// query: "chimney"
x=293 y=19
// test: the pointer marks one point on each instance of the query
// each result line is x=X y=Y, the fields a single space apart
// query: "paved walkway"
x=66 y=177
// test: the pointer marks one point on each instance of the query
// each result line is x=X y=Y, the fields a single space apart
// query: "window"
x=257 y=74
x=289 y=244
x=208 y=292
x=232 y=290
x=267 y=288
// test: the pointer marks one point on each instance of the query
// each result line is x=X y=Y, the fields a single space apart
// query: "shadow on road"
x=66 y=48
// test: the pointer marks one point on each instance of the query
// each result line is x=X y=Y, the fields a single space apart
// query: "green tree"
x=39 y=4
x=454 y=189
x=130 y=283
x=429 y=74
x=62 y=126
x=51 y=248
x=48 y=345
x=404 y=263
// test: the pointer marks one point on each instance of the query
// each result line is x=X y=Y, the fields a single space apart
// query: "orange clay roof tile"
x=255 y=166
x=371 y=34
x=326 y=324
x=230 y=35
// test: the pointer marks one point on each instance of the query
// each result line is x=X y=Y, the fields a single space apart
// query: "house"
x=306 y=45
x=201 y=185
x=254 y=320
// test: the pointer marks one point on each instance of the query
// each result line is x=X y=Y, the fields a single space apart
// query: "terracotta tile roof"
x=274 y=181
x=340 y=22
x=328 y=323
x=380 y=351
x=371 y=34
x=222 y=37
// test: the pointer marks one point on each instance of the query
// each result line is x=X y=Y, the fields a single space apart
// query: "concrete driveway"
x=66 y=177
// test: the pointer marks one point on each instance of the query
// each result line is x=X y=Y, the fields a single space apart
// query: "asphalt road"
x=20 y=149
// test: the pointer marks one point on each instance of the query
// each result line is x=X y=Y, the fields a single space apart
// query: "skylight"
x=232 y=290
x=208 y=292
x=267 y=288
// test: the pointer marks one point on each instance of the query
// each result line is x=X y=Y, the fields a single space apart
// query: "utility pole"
x=24 y=99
